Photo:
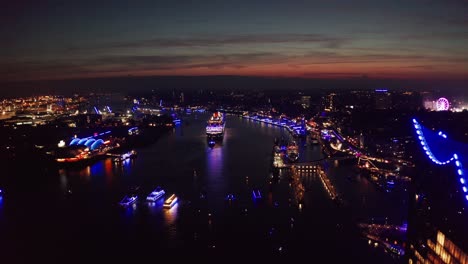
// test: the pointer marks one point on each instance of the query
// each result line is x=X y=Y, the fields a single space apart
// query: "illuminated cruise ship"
x=215 y=125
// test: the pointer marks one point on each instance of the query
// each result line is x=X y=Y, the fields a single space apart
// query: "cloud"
x=255 y=62
x=453 y=36
x=221 y=40
x=340 y=58
x=116 y=64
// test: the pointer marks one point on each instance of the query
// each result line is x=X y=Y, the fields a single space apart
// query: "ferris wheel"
x=442 y=104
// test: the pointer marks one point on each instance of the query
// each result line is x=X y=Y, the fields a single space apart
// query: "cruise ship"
x=215 y=125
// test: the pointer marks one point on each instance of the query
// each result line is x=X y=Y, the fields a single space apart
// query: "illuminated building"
x=305 y=101
x=437 y=224
x=329 y=102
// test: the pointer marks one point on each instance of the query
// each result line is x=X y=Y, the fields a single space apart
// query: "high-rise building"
x=438 y=216
x=329 y=102
x=305 y=101
x=361 y=141
x=182 y=99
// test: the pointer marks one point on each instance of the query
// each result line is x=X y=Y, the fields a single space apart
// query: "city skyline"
x=319 y=39
x=321 y=130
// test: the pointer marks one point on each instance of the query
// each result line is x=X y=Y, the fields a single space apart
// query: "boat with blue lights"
x=215 y=125
x=256 y=194
x=128 y=200
x=155 y=194
x=230 y=197
x=170 y=201
x=211 y=142
x=125 y=156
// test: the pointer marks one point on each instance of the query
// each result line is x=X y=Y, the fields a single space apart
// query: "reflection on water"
x=108 y=166
x=214 y=160
x=86 y=173
x=170 y=215
x=97 y=168
x=63 y=181
x=130 y=211
x=155 y=207
x=215 y=170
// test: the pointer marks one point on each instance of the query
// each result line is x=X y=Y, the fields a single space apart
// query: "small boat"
x=230 y=197
x=155 y=195
x=170 y=201
x=256 y=194
x=128 y=200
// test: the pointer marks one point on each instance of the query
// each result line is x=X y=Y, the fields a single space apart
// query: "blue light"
x=431 y=156
x=466 y=197
x=82 y=141
x=75 y=141
x=89 y=142
x=103 y=133
x=96 y=144
x=130 y=130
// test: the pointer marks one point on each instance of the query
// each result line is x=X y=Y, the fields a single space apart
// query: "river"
x=73 y=214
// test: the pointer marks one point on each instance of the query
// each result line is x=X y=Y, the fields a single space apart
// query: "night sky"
x=43 y=40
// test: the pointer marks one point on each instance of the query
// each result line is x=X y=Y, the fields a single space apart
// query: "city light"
x=442 y=104
x=61 y=144
x=431 y=155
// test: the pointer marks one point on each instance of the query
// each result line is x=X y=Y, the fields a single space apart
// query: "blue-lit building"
x=438 y=216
